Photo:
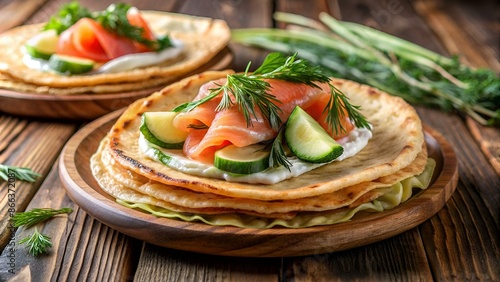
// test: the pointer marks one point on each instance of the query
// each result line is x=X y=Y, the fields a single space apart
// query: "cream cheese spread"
x=352 y=143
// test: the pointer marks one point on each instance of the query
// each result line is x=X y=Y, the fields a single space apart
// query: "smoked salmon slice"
x=230 y=126
x=88 y=39
x=135 y=18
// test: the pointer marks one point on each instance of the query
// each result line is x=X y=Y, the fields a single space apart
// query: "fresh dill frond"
x=338 y=108
x=250 y=91
x=277 y=156
x=20 y=173
x=34 y=216
x=37 y=243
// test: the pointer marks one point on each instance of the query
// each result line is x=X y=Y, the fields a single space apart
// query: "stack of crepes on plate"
x=204 y=42
x=381 y=176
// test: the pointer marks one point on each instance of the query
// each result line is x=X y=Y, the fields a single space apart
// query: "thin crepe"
x=124 y=184
x=397 y=130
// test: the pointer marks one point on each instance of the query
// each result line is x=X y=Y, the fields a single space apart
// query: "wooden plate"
x=81 y=187
x=87 y=106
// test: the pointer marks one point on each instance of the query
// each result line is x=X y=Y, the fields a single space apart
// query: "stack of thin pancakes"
x=396 y=152
x=205 y=42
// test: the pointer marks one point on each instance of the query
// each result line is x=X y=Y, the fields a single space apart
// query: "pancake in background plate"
x=203 y=39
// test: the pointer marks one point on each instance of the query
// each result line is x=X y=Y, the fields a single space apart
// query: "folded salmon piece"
x=230 y=126
x=89 y=39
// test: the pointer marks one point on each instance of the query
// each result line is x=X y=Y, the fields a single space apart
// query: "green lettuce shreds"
x=67 y=16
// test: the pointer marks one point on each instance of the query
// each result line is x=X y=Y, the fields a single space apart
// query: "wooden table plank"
x=461 y=29
x=14 y=13
x=83 y=248
x=397 y=258
x=162 y=264
x=36 y=146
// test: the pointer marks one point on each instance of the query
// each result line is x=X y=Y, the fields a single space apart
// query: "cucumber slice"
x=308 y=140
x=158 y=128
x=42 y=45
x=242 y=160
x=70 y=64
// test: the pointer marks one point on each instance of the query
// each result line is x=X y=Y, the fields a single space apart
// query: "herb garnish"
x=114 y=19
x=251 y=90
x=36 y=243
x=34 y=216
x=396 y=66
x=277 y=157
x=21 y=173
x=67 y=16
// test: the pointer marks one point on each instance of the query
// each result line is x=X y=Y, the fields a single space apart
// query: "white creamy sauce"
x=353 y=143
x=139 y=60
x=123 y=63
x=34 y=63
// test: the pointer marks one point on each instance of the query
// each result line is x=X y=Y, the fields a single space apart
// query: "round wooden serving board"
x=364 y=229
x=88 y=106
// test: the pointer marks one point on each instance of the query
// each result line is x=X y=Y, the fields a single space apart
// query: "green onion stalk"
x=396 y=66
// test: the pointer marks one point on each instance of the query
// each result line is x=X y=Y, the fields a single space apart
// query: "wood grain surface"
x=459 y=243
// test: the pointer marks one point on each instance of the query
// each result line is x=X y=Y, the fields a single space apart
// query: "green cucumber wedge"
x=42 y=45
x=70 y=64
x=242 y=160
x=158 y=129
x=308 y=140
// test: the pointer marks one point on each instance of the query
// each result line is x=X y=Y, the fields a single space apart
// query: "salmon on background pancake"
x=397 y=140
x=202 y=38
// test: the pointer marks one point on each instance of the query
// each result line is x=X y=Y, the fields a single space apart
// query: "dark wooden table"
x=460 y=243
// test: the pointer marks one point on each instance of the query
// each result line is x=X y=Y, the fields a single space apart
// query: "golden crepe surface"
x=396 y=153
x=203 y=39
x=172 y=197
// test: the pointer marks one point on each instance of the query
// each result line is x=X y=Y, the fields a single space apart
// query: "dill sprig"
x=37 y=243
x=277 y=156
x=338 y=108
x=251 y=90
x=391 y=64
x=34 y=216
x=20 y=173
